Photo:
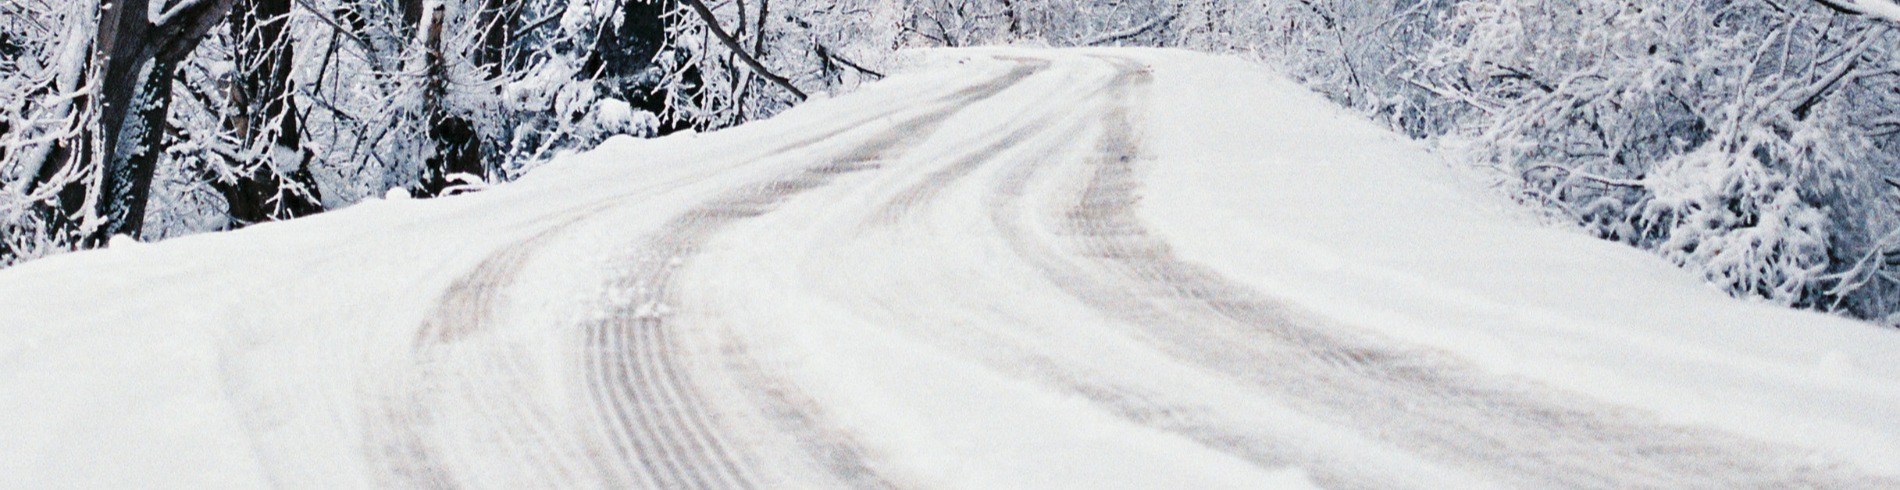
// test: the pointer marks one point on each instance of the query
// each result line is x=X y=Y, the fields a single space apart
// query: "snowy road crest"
x=1005 y=269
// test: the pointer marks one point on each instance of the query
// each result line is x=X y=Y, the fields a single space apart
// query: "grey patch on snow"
x=403 y=433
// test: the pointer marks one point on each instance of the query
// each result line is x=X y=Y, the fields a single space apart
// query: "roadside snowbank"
x=1302 y=199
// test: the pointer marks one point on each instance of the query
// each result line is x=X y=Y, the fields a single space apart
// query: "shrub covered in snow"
x=1741 y=140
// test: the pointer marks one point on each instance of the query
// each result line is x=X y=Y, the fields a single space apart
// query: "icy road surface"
x=1004 y=269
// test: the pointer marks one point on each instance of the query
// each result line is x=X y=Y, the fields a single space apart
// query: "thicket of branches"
x=157 y=118
x=1754 y=141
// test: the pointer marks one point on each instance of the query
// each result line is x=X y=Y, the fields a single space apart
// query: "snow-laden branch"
x=161 y=12
x=1884 y=10
x=1130 y=32
x=1850 y=62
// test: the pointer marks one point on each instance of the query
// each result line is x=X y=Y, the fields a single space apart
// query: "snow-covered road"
x=1003 y=269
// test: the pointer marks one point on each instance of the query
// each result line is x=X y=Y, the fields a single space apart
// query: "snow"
x=1345 y=218
x=898 y=318
x=162 y=12
x=1885 y=10
x=617 y=117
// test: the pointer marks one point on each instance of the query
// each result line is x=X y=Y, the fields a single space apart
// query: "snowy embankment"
x=1004 y=269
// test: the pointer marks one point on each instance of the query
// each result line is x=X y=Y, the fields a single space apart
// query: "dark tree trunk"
x=265 y=123
x=624 y=50
x=140 y=61
x=411 y=14
x=637 y=40
x=758 y=38
x=458 y=148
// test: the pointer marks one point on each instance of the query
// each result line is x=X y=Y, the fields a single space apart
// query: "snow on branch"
x=161 y=12
x=1131 y=32
x=1884 y=10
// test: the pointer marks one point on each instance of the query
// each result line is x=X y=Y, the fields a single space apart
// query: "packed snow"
x=1001 y=268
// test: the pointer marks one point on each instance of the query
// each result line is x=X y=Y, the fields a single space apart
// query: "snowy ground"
x=1004 y=269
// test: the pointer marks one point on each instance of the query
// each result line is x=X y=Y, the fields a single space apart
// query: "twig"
x=1488 y=110
x=369 y=50
x=1821 y=90
x=834 y=56
x=543 y=22
x=1585 y=176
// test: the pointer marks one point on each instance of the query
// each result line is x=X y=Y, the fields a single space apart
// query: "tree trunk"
x=411 y=14
x=140 y=60
x=273 y=181
x=456 y=141
x=625 y=49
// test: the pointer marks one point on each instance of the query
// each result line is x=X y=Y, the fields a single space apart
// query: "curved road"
x=952 y=291
x=675 y=396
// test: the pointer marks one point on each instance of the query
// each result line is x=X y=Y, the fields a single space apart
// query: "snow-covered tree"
x=801 y=47
x=46 y=85
x=1742 y=140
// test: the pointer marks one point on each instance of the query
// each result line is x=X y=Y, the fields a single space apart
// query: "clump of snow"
x=1741 y=224
x=122 y=241
x=617 y=117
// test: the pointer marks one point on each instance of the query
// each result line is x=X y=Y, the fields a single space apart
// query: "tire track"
x=834 y=451
x=640 y=382
x=1046 y=115
x=1135 y=404
x=465 y=309
x=659 y=420
x=1430 y=403
x=1008 y=351
x=401 y=433
x=1013 y=350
